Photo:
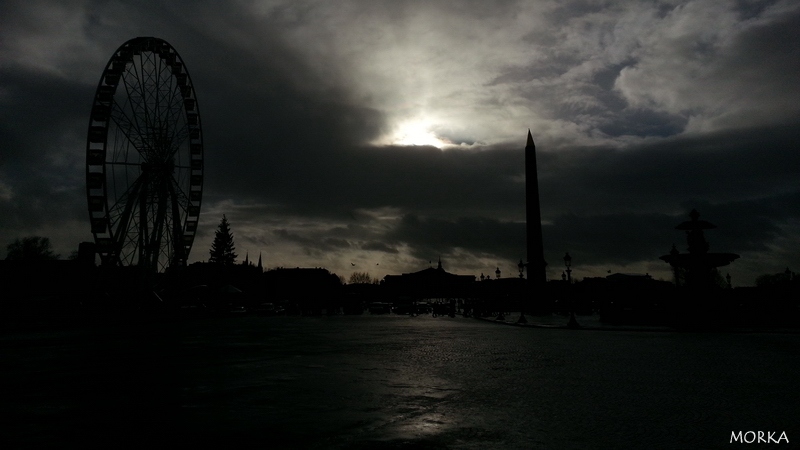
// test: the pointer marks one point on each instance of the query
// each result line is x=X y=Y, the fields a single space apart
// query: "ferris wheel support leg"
x=158 y=231
x=124 y=222
x=178 y=258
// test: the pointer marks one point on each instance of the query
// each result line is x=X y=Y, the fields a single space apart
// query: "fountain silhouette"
x=698 y=266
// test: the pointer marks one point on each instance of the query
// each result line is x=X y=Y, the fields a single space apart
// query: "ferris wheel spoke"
x=120 y=149
x=125 y=198
x=128 y=128
x=124 y=166
x=149 y=100
x=122 y=225
x=180 y=138
x=156 y=98
x=144 y=82
x=173 y=104
x=135 y=98
x=173 y=112
x=129 y=244
x=119 y=212
x=181 y=199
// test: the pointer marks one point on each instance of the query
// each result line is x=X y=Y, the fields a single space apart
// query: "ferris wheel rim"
x=178 y=203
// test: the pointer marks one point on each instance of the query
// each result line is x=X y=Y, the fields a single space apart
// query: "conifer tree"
x=222 y=249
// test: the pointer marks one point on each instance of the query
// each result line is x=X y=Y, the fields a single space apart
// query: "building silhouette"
x=430 y=283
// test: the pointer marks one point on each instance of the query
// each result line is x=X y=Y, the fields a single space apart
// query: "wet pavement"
x=392 y=382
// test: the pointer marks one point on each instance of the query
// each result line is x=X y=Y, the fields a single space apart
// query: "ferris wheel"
x=144 y=158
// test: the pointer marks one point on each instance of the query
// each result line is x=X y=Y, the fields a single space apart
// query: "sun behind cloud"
x=417 y=132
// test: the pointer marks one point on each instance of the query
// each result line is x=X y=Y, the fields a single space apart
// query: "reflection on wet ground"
x=395 y=382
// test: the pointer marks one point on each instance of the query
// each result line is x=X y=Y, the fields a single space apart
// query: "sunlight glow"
x=418 y=132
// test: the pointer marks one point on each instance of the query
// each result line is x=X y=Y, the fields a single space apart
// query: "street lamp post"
x=521 y=267
x=573 y=323
x=500 y=315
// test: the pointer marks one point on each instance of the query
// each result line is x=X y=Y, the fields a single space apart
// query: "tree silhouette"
x=31 y=248
x=222 y=249
x=776 y=279
x=362 y=278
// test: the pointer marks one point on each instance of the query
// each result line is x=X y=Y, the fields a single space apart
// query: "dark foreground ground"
x=392 y=382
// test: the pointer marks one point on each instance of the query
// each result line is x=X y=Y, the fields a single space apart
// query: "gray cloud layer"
x=641 y=111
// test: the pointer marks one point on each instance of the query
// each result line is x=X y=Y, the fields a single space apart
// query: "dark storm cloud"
x=41 y=163
x=621 y=205
x=243 y=89
x=49 y=70
x=269 y=127
x=632 y=122
x=749 y=225
x=289 y=236
x=619 y=238
x=718 y=167
x=37 y=110
x=641 y=111
x=318 y=243
x=721 y=167
x=608 y=204
x=339 y=180
x=379 y=247
x=625 y=238
x=432 y=236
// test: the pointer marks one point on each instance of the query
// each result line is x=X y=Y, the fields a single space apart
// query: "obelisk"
x=537 y=276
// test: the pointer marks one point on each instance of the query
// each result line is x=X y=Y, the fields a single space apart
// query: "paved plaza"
x=393 y=382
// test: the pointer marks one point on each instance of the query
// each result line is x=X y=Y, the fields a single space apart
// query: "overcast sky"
x=380 y=135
